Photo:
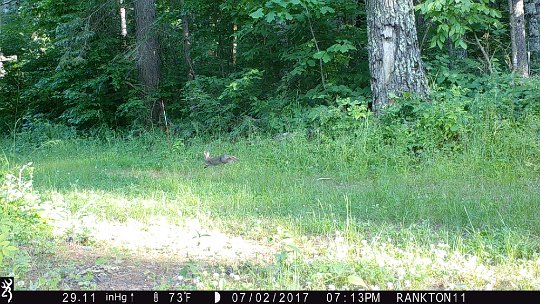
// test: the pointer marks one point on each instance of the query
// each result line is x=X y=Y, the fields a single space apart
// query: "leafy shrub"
x=481 y=113
x=19 y=203
x=200 y=110
x=213 y=105
x=344 y=117
x=445 y=121
x=453 y=19
x=20 y=222
x=7 y=250
x=439 y=124
x=35 y=130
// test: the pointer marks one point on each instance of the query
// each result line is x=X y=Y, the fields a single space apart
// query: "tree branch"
x=323 y=80
x=484 y=53
x=428 y=27
x=8 y=2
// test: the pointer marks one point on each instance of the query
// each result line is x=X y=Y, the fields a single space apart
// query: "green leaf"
x=270 y=17
x=257 y=14
x=327 y=9
x=319 y=55
x=356 y=280
x=444 y=27
x=280 y=3
x=326 y=58
x=322 y=55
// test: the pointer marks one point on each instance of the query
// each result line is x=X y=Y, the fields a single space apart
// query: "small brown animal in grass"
x=218 y=160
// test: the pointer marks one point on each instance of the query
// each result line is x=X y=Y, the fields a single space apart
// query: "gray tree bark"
x=6 y=7
x=394 y=55
x=520 y=58
x=532 y=13
x=187 y=42
x=148 y=62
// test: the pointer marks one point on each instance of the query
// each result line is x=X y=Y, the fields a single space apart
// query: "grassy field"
x=291 y=214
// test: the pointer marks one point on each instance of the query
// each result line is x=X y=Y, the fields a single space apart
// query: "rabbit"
x=219 y=160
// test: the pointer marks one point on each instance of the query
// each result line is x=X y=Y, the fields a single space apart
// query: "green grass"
x=332 y=213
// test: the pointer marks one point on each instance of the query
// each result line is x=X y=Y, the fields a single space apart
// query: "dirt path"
x=136 y=256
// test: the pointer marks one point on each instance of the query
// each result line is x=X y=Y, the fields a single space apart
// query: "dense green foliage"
x=261 y=67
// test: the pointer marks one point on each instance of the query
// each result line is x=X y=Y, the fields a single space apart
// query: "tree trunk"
x=532 y=10
x=2 y=70
x=394 y=56
x=6 y=8
x=234 y=49
x=520 y=60
x=148 y=63
x=123 y=18
x=187 y=42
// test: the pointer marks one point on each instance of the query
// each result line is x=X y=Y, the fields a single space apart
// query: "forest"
x=270 y=145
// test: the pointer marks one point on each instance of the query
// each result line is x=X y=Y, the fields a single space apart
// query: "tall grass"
x=463 y=206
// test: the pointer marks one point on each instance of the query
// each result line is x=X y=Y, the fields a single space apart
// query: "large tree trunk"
x=187 y=42
x=394 y=56
x=520 y=60
x=532 y=12
x=148 y=62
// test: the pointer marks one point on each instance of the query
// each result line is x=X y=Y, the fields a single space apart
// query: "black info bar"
x=237 y=297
